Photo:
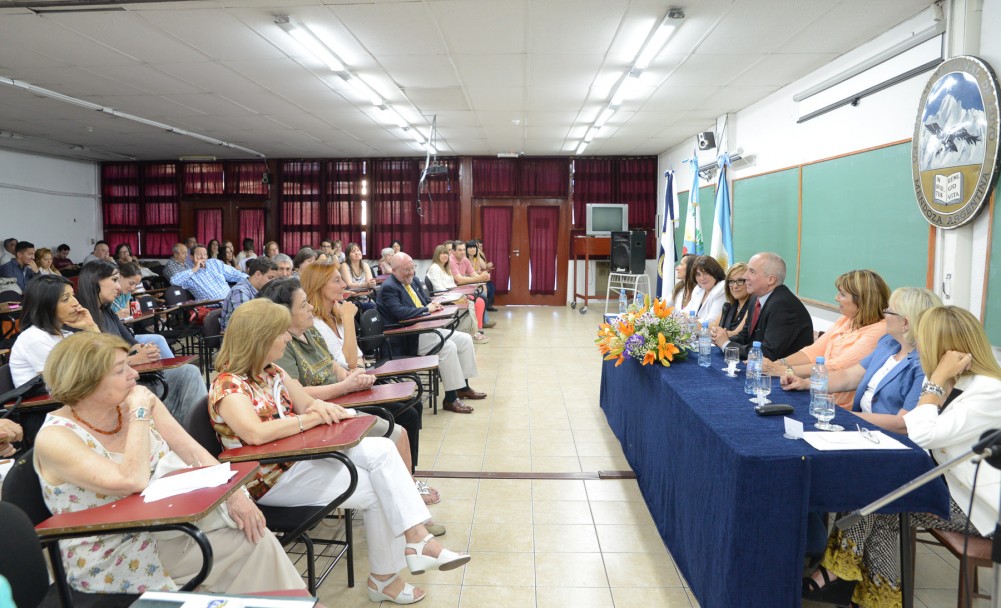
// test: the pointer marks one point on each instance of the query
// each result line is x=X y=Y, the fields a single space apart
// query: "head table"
x=729 y=494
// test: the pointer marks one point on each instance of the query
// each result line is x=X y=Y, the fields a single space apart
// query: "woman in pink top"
x=863 y=296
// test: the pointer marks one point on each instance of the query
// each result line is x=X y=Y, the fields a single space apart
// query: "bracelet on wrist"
x=299 y=418
x=930 y=388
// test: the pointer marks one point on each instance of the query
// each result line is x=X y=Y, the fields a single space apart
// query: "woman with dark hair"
x=97 y=288
x=305 y=257
x=123 y=254
x=357 y=274
x=396 y=246
x=684 y=276
x=710 y=288
x=214 y=248
x=227 y=255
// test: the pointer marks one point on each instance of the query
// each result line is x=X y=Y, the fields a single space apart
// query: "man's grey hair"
x=281 y=257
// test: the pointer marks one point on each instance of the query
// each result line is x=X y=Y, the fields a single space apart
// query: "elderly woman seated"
x=958 y=403
x=104 y=444
x=253 y=401
x=862 y=296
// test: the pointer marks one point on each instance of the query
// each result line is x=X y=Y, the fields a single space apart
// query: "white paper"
x=204 y=600
x=851 y=440
x=182 y=483
x=449 y=297
x=794 y=428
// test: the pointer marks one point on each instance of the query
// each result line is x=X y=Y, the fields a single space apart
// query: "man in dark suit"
x=778 y=319
x=400 y=297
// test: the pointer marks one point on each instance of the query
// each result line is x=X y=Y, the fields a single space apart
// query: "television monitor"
x=605 y=218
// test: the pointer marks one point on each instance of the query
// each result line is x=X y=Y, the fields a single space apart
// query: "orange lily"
x=649 y=358
x=621 y=359
x=662 y=309
x=665 y=349
x=626 y=329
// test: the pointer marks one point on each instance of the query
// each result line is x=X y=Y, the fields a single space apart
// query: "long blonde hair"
x=437 y=254
x=313 y=278
x=945 y=328
x=251 y=331
x=79 y=363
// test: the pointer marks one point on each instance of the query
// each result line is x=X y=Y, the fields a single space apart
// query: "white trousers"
x=456 y=360
x=385 y=494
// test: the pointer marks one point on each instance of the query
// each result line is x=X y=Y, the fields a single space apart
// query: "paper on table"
x=208 y=477
x=849 y=440
x=450 y=297
x=204 y=600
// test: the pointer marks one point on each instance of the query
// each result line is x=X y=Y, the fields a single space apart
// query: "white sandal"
x=446 y=560
x=403 y=597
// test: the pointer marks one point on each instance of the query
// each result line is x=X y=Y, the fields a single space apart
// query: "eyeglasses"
x=867 y=434
x=737 y=282
x=887 y=311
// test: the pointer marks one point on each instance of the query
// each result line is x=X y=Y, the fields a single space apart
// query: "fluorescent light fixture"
x=604 y=116
x=364 y=90
x=309 y=41
x=416 y=135
x=389 y=116
x=655 y=43
x=626 y=90
x=590 y=134
x=581 y=148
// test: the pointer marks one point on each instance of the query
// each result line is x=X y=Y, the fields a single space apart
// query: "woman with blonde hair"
x=253 y=401
x=734 y=312
x=43 y=259
x=440 y=276
x=863 y=296
x=105 y=443
x=958 y=403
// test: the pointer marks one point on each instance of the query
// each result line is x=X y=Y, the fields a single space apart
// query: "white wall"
x=49 y=201
x=768 y=132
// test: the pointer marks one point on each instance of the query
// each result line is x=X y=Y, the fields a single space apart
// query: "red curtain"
x=120 y=197
x=495 y=177
x=246 y=178
x=203 y=178
x=593 y=182
x=252 y=227
x=299 y=201
x=544 y=177
x=439 y=200
x=346 y=198
x=543 y=232
x=160 y=244
x=160 y=229
x=638 y=189
x=117 y=237
x=393 y=205
x=497 y=244
x=208 y=225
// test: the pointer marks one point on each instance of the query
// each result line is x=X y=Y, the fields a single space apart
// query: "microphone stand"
x=987 y=449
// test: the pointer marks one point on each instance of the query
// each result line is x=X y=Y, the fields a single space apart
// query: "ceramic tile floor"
x=553 y=543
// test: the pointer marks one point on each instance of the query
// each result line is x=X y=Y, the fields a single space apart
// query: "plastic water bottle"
x=638 y=300
x=705 y=346
x=623 y=302
x=754 y=358
x=693 y=328
x=818 y=380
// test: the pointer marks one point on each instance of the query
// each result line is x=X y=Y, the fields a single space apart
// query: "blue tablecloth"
x=728 y=492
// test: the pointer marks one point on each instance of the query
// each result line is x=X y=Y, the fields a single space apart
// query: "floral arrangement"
x=650 y=333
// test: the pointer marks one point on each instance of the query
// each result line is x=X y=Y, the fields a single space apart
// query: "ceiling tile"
x=420 y=70
x=393 y=29
x=214 y=33
x=488 y=70
x=574 y=26
x=437 y=99
x=497 y=98
x=460 y=22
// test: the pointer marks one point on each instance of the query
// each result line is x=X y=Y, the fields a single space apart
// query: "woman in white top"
x=709 y=293
x=684 y=282
x=43 y=259
x=334 y=319
x=357 y=274
x=441 y=279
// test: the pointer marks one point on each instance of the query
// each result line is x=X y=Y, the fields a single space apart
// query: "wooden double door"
x=226 y=221
x=527 y=240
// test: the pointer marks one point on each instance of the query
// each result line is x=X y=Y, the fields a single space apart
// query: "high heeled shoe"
x=419 y=563
x=406 y=596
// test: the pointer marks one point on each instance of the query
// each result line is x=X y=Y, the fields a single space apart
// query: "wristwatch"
x=141 y=414
x=930 y=388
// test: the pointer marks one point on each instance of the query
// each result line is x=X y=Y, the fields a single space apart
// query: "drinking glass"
x=762 y=388
x=825 y=413
x=732 y=357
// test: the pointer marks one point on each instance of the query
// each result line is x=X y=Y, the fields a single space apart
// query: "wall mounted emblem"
x=954 y=152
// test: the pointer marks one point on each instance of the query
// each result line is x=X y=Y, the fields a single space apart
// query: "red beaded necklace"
x=90 y=426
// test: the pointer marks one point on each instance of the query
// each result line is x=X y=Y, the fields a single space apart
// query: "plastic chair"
x=209 y=341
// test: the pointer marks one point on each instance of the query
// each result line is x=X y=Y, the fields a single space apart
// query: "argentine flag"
x=722 y=243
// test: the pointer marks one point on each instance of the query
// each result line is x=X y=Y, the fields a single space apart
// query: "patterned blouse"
x=271 y=401
x=106 y=564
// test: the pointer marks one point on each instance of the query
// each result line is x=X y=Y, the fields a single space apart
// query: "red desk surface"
x=163 y=364
x=408 y=365
x=132 y=510
x=417 y=328
x=320 y=439
x=446 y=312
x=380 y=393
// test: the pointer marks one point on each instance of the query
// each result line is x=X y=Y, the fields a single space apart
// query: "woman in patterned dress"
x=104 y=444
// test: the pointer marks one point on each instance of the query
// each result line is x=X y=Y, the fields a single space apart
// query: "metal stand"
x=987 y=449
x=630 y=284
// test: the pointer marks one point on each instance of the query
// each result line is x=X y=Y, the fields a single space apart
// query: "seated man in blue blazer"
x=777 y=318
x=400 y=297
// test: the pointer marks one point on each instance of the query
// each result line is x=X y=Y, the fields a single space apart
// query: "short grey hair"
x=387 y=251
x=177 y=248
x=282 y=257
x=774 y=265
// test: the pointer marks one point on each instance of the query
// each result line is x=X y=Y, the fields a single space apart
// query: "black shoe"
x=838 y=592
x=492 y=308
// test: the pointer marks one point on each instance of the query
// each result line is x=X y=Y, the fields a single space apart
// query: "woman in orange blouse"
x=863 y=296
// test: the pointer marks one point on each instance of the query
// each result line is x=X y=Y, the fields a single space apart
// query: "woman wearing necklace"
x=889 y=379
x=863 y=296
x=105 y=443
x=357 y=274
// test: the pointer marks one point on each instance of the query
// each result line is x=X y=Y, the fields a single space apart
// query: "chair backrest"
x=22 y=488
x=198 y=424
x=147 y=303
x=428 y=285
x=21 y=559
x=212 y=327
x=370 y=332
x=6 y=380
x=9 y=295
x=176 y=295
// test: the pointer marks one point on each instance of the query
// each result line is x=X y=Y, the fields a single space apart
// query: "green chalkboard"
x=766 y=218
x=992 y=309
x=707 y=207
x=859 y=211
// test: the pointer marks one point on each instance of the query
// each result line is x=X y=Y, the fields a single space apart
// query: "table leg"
x=906 y=561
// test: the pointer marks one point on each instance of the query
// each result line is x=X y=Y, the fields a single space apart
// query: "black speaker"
x=707 y=140
x=629 y=252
